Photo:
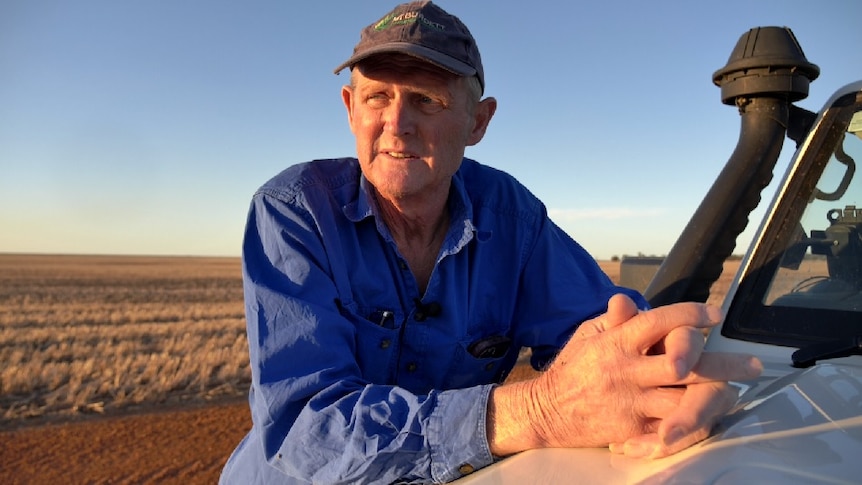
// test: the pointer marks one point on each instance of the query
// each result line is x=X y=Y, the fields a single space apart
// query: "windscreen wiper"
x=833 y=349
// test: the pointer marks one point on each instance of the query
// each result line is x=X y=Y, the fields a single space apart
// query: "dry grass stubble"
x=95 y=334
x=91 y=334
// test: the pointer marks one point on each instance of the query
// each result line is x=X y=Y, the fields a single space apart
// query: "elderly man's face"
x=412 y=122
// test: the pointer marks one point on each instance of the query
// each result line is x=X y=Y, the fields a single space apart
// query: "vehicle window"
x=803 y=282
x=822 y=268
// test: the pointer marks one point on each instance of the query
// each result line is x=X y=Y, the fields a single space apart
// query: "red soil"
x=187 y=446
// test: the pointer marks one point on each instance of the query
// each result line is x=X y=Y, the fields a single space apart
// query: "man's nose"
x=400 y=117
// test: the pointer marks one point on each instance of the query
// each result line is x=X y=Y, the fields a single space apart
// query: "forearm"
x=385 y=433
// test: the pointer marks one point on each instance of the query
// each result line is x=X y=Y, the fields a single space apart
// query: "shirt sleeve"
x=316 y=416
x=562 y=286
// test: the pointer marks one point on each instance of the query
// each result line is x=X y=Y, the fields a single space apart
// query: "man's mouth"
x=401 y=155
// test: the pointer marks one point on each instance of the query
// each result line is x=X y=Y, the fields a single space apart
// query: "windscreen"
x=823 y=266
x=806 y=279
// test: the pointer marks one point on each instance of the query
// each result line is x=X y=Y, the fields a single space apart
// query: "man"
x=388 y=296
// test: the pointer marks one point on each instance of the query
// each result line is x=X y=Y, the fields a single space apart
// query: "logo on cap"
x=406 y=18
x=425 y=31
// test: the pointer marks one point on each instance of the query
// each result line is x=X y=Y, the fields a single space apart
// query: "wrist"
x=512 y=422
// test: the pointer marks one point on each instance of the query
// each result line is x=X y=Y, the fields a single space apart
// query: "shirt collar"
x=461 y=228
x=363 y=205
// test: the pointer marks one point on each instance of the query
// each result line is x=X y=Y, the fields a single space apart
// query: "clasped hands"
x=637 y=382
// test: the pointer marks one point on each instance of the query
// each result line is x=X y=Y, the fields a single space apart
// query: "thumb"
x=621 y=308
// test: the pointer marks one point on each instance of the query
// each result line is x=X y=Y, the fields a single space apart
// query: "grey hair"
x=474 y=88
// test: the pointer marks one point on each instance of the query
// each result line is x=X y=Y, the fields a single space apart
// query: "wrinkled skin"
x=638 y=382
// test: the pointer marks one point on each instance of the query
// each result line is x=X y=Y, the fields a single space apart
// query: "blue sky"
x=144 y=127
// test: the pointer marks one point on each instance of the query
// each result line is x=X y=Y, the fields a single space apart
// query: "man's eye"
x=430 y=105
x=377 y=100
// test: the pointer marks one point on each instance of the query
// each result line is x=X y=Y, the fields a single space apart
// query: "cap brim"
x=430 y=55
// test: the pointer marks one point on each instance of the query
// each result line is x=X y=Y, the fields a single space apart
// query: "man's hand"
x=638 y=382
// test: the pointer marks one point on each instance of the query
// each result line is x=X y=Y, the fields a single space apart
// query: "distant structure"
x=636 y=272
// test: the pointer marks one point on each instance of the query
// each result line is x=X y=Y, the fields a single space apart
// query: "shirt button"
x=402 y=264
x=466 y=469
x=385 y=343
x=411 y=367
x=489 y=366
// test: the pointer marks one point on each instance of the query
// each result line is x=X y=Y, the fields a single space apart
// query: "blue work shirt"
x=357 y=377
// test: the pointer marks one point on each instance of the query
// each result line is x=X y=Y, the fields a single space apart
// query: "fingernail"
x=638 y=450
x=754 y=366
x=714 y=314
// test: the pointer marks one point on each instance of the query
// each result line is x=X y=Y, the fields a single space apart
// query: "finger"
x=641 y=446
x=723 y=366
x=649 y=327
x=621 y=308
x=689 y=415
x=664 y=370
x=659 y=402
x=682 y=347
x=700 y=407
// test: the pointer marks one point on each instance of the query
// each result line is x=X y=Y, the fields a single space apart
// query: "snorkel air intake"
x=767 y=72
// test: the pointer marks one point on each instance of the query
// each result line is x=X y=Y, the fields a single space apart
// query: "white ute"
x=796 y=301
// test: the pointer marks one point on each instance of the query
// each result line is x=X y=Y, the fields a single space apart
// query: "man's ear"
x=347 y=99
x=482 y=117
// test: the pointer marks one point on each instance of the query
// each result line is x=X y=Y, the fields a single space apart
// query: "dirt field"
x=172 y=441
x=172 y=445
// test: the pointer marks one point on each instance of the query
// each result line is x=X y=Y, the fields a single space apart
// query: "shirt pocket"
x=376 y=337
x=483 y=360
